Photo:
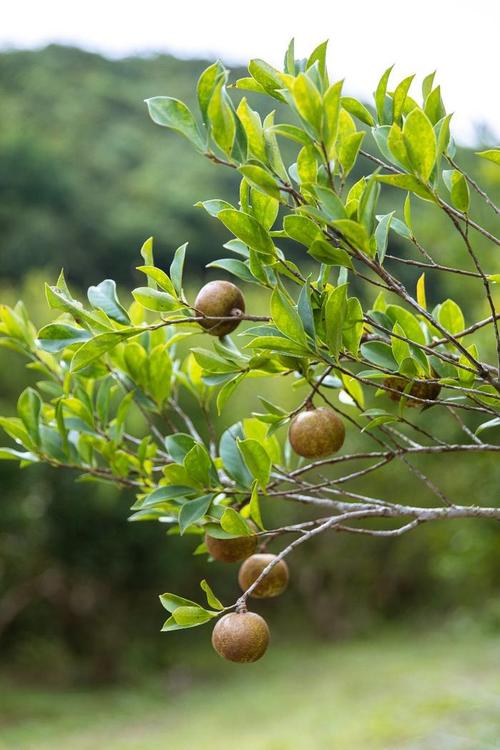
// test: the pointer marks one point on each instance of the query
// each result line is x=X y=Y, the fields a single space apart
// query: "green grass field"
x=410 y=692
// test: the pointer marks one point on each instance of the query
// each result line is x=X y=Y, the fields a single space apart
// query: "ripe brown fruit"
x=274 y=583
x=420 y=389
x=241 y=637
x=316 y=433
x=220 y=299
x=231 y=550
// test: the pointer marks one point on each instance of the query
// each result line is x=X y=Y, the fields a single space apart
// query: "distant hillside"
x=85 y=176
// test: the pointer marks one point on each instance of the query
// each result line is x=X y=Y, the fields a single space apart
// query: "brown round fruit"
x=220 y=299
x=231 y=550
x=241 y=637
x=316 y=433
x=420 y=389
x=274 y=583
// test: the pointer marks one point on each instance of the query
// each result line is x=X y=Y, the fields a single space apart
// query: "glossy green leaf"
x=193 y=511
x=55 y=337
x=248 y=230
x=99 y=346
x=286 y=318
x=232 y=522
x=420 y=141
x=29 y=406
x=212 y=600
x=152 y=299
x=221 y=119
x=174 y=114
x=357 y=109
x=308 y=102
x=335 y=312
x=257 y=460
x=491 y=154
x=260 y=179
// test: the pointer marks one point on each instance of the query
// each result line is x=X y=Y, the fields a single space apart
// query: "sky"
x=458 y=39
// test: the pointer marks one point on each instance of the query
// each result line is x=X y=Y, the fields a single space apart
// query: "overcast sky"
x=460 y=39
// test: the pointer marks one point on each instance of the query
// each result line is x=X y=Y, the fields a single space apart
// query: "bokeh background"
x=379 y=643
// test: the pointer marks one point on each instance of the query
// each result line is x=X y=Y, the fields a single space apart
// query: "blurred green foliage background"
x=85 y=177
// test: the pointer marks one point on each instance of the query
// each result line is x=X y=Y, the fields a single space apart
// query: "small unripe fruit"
x=273 y=584
x=420 y=389
x=316 y=433
x=241 y=637
x=220 y=299
x=231 y=550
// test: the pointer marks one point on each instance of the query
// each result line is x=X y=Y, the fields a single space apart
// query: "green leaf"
x=253 y=128
x=221 y=119
x=352 y=329
x=234 y=266
x=189 y=617
x=301 y=229
x=159 y=370
x=260 y=179
x=491 y=154
x=308 y=102
x=357 y=109
x=355 y=233
x=399 y=97
x=335 y=312
x=406 y=182
x=174 y=114
x=199 y=466
x=234 y=523
x=212 y=600
x=231 y=456
x=193 y=511
x=177 y=268
x=257 y=460
x=318 y=55
x=249 y=231
x=57 y=336
x=152 y=299
x=104 y=297
x=160 y=278
x=379 y=354
x=98 y=346
x=368 y=204
x=264 y=208
x=278 y=344
x=267 y=76
x=420 y=141
x=171 y=602
x=380 y=96
x=323 y=252
x=292 y=132
x=254 y=506
x=286 y=318
x=397 y=145
x=433 y=107
x=349 y=149
x=331 y=106
x=407 y=321
x=451 y=316
x=206 y=85
x=382 y=234
x=459 y=190
x=330 y=203
x=29 y=406
x=227 y=391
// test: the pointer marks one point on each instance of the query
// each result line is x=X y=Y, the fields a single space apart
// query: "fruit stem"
x=241 y=606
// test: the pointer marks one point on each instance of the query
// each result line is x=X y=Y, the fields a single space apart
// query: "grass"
x=412 y=692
